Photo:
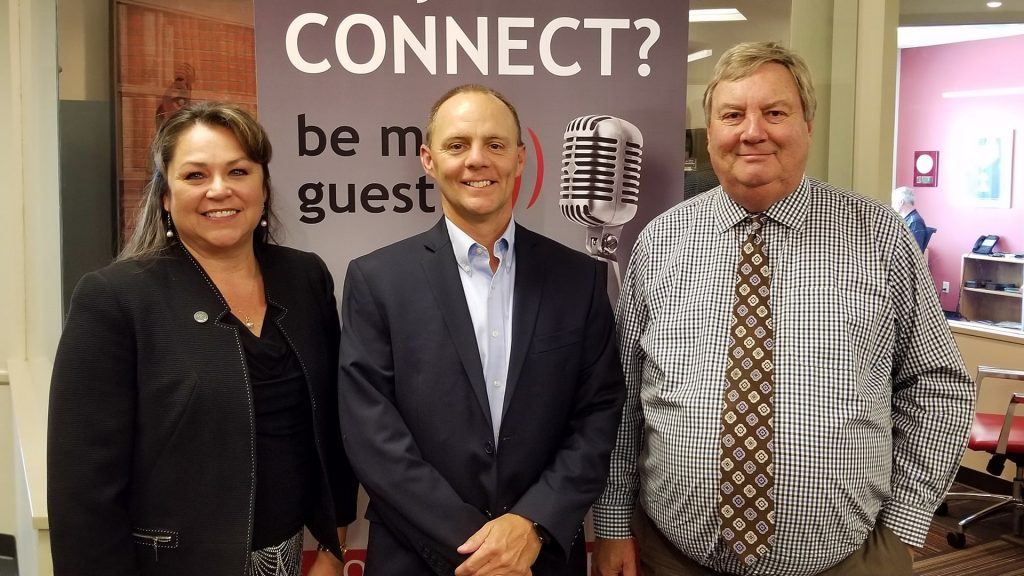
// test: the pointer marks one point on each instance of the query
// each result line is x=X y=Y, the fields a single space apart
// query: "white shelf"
x=982 y=304
x=993 y=292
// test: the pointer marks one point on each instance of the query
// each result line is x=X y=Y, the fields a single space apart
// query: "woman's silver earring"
x=263 y=222
x=170 y=226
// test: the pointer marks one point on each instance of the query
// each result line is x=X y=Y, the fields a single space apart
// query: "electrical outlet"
x=945 y=287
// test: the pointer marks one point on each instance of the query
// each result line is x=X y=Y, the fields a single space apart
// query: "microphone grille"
x=601 y=160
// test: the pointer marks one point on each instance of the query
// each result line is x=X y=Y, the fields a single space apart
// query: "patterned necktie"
x=746 y=505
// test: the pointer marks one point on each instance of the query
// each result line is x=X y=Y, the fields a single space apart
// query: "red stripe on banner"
x=355 y=559
x=539 y=155
x=540 y=168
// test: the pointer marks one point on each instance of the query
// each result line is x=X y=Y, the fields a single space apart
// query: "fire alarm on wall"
x=926 y=168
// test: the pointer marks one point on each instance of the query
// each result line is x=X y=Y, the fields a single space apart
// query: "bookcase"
x=983 y=303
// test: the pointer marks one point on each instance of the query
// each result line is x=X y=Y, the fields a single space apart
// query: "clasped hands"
x=505 y=546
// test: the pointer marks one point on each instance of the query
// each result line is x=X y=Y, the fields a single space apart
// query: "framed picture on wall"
x=987 y=161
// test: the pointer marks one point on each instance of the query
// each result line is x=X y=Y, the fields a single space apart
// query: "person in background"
x=479 y=388
x=193 y=424
x=904 y=202
x=795 y=402
x=178 y=93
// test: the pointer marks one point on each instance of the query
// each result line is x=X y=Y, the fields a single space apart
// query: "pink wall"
x=927 y=121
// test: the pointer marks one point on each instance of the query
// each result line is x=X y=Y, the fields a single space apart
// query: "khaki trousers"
x=882 y=553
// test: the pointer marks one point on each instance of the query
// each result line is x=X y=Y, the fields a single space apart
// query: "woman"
x=193 y=418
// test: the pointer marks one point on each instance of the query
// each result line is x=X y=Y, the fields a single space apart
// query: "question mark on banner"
x=655 y=33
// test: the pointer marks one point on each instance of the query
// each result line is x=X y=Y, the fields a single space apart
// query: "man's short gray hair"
x=905 y=194
x=742 y=60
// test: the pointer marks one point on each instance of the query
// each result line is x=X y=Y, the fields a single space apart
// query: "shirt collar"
x=462 y=243
x=790 y=211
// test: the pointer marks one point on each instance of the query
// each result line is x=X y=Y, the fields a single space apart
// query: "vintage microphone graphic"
x=601 y=181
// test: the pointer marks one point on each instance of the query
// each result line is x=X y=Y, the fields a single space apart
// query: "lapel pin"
x=201 y=317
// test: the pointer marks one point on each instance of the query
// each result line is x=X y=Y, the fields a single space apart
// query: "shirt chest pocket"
x=685 y=349
x=810 y=327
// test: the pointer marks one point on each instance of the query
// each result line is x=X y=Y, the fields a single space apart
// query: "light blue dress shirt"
x=489 y=297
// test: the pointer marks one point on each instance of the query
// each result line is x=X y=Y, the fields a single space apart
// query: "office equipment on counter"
x=985 y=244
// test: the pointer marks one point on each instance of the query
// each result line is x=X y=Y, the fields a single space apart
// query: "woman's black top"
x=287 y=466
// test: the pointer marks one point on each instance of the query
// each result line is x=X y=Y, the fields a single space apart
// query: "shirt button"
x=496 y=383
x=494 y=333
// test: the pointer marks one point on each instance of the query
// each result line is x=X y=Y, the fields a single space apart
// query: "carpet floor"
x=992 y=549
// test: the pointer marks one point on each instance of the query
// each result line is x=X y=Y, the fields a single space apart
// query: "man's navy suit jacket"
x=415 y=415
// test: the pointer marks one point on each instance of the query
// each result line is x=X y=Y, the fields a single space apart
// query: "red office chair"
x=1003 y=437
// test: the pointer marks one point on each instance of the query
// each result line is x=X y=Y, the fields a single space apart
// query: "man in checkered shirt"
x=872 y=402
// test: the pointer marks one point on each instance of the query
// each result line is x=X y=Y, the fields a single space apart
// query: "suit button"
x=489 y=447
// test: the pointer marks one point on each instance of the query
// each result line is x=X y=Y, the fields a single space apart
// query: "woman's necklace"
x=240 y=314
x=247 y=321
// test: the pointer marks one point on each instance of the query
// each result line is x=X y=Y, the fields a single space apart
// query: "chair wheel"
x=942 y=510
x=957 y=539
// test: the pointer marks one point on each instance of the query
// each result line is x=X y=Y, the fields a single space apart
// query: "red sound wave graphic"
x=539 y=153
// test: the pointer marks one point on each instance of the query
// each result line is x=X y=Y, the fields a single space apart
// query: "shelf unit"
x=982 y=304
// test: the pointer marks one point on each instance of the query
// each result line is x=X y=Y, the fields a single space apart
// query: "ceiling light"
x=994 y=4
x=1008 y=91
x=698 y=55
x=916 y=36
x=716 y=15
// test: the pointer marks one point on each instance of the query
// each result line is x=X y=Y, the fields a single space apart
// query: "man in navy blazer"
x=479 y=390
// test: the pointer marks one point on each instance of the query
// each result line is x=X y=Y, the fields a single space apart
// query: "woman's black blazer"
x=151 y=456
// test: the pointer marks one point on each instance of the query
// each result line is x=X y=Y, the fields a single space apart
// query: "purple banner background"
x=366 y=102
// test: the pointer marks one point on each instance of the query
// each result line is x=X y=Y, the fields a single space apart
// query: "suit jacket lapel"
x=530 y=275
x=443 y=276
x=276 y=286
x=209 y=301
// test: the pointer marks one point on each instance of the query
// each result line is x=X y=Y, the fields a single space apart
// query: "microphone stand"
x=602 y=244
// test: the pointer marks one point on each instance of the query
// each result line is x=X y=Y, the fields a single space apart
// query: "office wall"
x=7 y=490
x=87 y=191
x=30 y=279
x=83 y=38
x=927 y=121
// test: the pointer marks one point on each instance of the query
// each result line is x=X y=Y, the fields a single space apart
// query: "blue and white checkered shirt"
x=872 y=405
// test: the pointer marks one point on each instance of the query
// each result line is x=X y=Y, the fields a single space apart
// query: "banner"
x=344 y=90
